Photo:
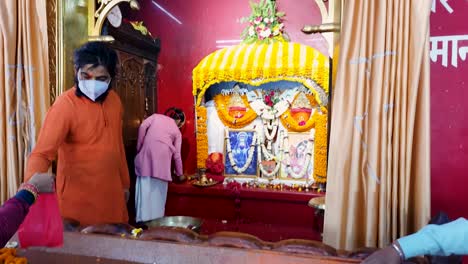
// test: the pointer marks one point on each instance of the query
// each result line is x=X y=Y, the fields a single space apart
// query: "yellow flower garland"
x=320 y=150
x=8 y=255
x=221 y=102
x=291 y=124
x=202 y=137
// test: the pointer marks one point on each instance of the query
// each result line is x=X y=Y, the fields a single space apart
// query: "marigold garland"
x=8 y=255
x=321 y=145
x=312 y=100
x=249 y=67
x=222 y=105
x=291 y=124
x=202 y=137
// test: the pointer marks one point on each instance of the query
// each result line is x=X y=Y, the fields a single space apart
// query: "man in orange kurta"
x=84 y=127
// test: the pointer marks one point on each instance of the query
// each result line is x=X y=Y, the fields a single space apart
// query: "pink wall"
x=449 y=120
x=202 y=24
x=197 y=29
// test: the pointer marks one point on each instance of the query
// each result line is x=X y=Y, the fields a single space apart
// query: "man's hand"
x=181 y=178
x=178 y=178
x=386 y=255
x=44 y=182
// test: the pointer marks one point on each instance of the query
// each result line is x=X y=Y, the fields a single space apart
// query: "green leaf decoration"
x=265 y=23
x=280 y=14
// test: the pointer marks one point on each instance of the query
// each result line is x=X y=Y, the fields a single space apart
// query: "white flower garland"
x=270 y=125
x=261 y=147
x=273 y=126
x=256 y=102
x=249 y=155
x=306 y=163
x=235 y=89
x=266 y=112
x=268 y=155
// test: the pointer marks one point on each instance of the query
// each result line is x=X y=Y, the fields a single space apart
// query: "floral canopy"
x=265 y=57
x=260 y=63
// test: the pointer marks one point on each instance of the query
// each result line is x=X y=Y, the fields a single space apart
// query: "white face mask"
x=93 y=88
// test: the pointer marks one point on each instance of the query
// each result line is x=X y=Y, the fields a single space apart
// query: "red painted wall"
x=449 y=120
x=198 y=28
x=204 y=22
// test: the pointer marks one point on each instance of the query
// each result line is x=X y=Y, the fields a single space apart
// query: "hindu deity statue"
x=301 y=109
x=237 y=107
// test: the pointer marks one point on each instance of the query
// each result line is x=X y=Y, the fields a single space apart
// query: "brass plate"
x=207 y=184
x=317 y=203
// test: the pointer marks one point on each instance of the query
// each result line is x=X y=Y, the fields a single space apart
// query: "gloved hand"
x=44 y=182
x=386 y=255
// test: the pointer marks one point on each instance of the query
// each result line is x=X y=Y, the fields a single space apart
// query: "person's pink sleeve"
x=177 y=156
x=142 y=131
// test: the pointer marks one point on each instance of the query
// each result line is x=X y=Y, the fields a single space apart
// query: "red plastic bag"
x=43 y=225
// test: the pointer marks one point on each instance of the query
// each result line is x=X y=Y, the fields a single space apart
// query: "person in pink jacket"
x=159 y=142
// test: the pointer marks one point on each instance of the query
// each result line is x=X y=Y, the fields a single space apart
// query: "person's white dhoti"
x=150 y=198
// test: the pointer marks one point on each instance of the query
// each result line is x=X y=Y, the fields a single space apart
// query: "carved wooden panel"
x=150 y=88
x=136 y=80
x=130 y=85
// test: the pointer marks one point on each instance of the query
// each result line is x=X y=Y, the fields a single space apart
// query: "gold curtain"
x=24 y=85
x=379 y=158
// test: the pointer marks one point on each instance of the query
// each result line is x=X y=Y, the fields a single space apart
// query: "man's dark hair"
x=97 y=54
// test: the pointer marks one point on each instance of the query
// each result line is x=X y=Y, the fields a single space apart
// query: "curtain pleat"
x=379 y=159
x=24 y=86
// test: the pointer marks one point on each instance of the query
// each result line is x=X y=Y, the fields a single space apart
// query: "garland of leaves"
x=221 y=102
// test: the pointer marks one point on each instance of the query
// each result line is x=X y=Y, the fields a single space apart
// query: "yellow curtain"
x=24 y=85
x=379 y=158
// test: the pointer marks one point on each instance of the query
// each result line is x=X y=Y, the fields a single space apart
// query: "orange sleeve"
x=54 y=130
x=124 y=176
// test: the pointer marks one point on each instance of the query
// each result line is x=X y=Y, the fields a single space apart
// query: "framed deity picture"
x=240 y=153
x=298 y=162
